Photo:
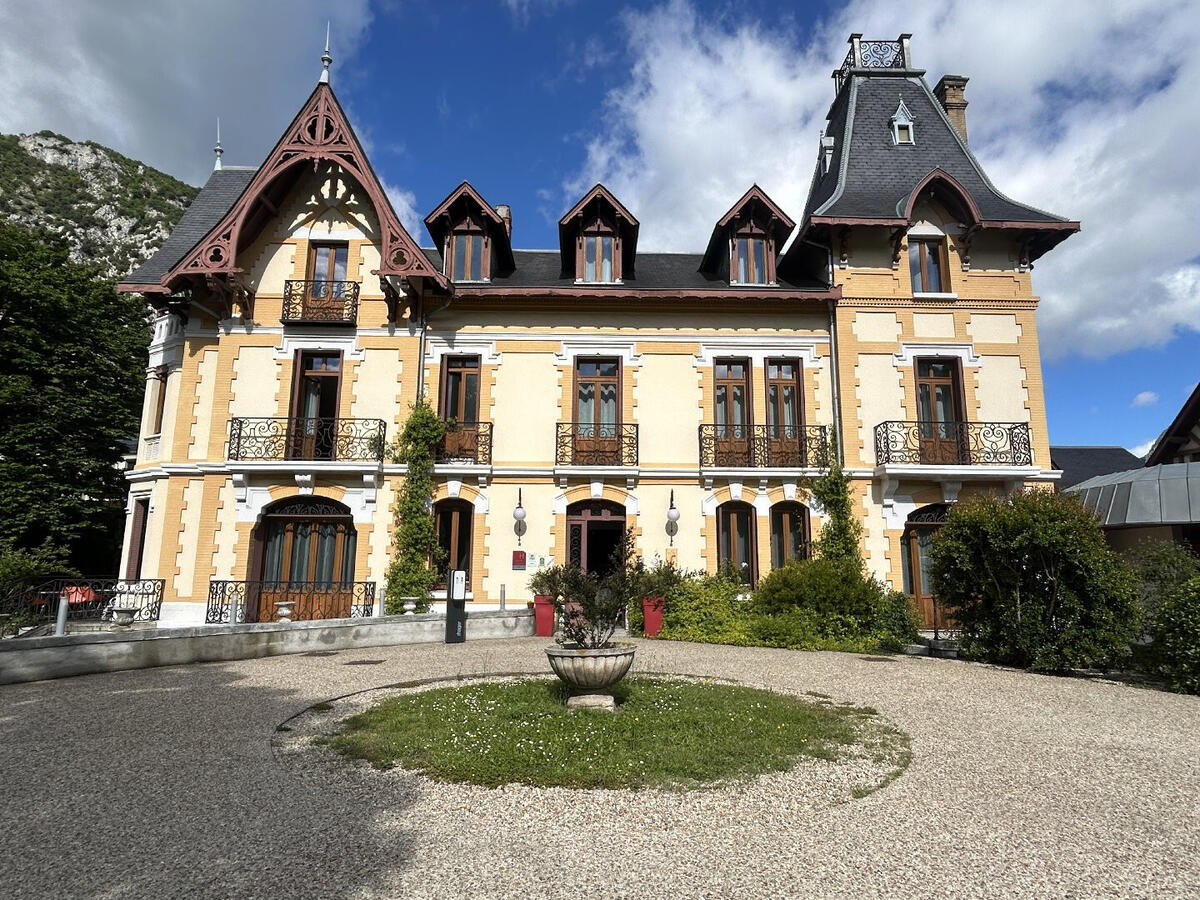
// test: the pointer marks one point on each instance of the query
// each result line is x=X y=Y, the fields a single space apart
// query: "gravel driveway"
x=163 y=783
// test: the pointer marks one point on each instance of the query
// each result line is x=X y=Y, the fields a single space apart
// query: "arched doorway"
x=594 y=532
x=304 y=554
x=920 y=527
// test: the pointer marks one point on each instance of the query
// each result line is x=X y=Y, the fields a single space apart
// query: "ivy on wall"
x=842 y=531
x=416 y=558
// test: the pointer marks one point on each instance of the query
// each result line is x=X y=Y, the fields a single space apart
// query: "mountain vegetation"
x=112 y=211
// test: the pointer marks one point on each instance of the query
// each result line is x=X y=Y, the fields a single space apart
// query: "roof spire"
x=217 y=149
x=326 y=59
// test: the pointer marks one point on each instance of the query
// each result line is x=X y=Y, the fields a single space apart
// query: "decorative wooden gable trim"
x=465 y=210
x=754 y=214
x=320 y=132
x=583 y=217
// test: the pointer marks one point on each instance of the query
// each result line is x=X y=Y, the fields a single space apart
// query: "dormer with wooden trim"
x=474 y=239
x=598 y=239
x=746 y=242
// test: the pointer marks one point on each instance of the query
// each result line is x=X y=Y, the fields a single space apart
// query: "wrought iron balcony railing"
x=596 y=444
x=30 y=605
x=759 y=446
x=953 y=443
x=469 y=442
x=325 y=302
x=230 y=602
x=346 y=440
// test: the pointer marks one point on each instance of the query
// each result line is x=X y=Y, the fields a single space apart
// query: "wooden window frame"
x=597 y=229
x=444 y=382
x=598 y=380
x=930 y=246
x=752 y=234
x=137 y=538
x=468 y=228
x=725 y=513
x=298 y=372
x=797 y=382
x=161 y=374
x=345 y=526
x=747 y=380
x=788 y=509
x=956 y=383
x=455 y=508
x=315 y=247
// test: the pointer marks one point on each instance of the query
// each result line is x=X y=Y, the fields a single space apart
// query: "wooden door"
x=940 y=428
x=313 y=427
x=737 y=544
x=594 y=530
x=731 y=400
x=597 y=412
x=785 y=414
x=309 y=562
x=460 y=406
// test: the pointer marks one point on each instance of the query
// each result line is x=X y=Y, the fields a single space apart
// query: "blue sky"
x=1082 y=108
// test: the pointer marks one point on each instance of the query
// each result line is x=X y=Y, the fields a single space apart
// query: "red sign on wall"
x=518 y=560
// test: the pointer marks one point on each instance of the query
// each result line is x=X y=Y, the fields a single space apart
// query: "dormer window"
x=598 y=253
x=902 y=125
x=467 y=255
x=749 y=263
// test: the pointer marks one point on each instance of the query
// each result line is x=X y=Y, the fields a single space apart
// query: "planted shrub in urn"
x=590 y=608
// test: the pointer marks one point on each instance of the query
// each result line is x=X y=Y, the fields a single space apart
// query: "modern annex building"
x=594 y=387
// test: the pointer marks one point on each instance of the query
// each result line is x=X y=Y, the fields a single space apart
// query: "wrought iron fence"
x=596 y=444
x=326 y=302
x=872 y=55
x=466 y=442
x=954 y=443
x=758 y=446
x=30 y=605
x=268 y=601
x=305 y=439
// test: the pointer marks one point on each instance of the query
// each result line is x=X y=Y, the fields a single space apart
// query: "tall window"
x=309 y=543
x=327 y=270
x=750 y=261
x=160 y=400
x=460 y=389
x=736 y=541
x=137 y=538
x=467 y=257
x=789 y=533
x=925 y=266
x=783 y=397
x=313 y=426
x=731 y=408
x=597 y=397
x=939 y=405
x=453 y=522
x=598 y=252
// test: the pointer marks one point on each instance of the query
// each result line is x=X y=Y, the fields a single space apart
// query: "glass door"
x=326 y=280
x=731 y=397
x=597 y=412
x=460 y=407
x=939 y=426
x=313 y=428
x=785 y=443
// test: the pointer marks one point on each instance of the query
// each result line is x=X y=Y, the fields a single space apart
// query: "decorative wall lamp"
x=672 y=519
x=519 y=525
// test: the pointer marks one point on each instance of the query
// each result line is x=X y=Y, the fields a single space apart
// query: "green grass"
x=665 y=734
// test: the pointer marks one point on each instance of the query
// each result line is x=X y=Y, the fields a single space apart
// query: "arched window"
x=453 y=522
x=736 y=544
x=790 y=539
x=308 y=540
x=916 y=544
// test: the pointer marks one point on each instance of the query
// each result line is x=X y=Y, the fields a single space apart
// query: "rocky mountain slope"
x=113 y=211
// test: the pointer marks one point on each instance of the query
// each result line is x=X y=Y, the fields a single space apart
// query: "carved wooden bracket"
x=897 y=239
x=844 y=247
x=965 y=239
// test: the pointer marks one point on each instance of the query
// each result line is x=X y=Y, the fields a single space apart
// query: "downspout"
x=835 y=383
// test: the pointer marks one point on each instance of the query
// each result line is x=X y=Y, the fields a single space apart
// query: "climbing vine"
x=416 y=557
x=842 y=531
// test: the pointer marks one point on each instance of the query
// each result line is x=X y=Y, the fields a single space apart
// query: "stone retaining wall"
x=34 y=659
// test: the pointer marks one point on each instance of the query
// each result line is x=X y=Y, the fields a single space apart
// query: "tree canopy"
x=72 y=370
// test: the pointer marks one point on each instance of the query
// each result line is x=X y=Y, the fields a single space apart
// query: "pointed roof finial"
x=217 y=149
x=326 y=59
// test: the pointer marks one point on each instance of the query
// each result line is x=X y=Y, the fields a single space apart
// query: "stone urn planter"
x=284 y=609
x=591 y=671
x=123 y=616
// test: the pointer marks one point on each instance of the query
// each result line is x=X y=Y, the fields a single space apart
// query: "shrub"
x=1177 y=637
x=707 y=610
x=1162 y=567
x=1032 y=583
x=841 y=532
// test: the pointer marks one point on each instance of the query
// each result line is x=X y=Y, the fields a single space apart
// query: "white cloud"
x=149 y=78
x=1085 y=109
x=1142 y=449
x=1144 y=398
x=404 y=202
x=522 y=10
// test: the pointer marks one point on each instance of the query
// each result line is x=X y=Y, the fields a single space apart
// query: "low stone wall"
x=34 y=659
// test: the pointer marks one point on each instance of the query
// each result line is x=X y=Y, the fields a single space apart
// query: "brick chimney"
x=504 y=211
x=949 y=92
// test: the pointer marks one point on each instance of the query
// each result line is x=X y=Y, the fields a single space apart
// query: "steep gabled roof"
x=320 y=131
x=444 y=216
x=753 y=204
x=627 y=225
x=873 y=180
x=1183 y=428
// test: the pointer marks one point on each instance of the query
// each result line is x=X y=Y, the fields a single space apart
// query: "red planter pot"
x=543 y=615
x=652 y=613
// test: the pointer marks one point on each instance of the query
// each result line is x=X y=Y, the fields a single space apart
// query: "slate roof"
x=219 y=193
x=1078 y=464
x=1178 y=432
x=655 y=271
x=871 y=177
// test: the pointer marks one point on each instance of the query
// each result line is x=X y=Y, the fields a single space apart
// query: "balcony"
x=230 y=602
x=596 y=444
x=320 y=302
x=341 y=440
x=469 y=443
x=763 y=446
x=953 y=444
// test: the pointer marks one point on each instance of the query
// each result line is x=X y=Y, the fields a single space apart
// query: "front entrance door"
x=594 y=532
x=307 y=558
x=917 y=542
x=939 y=405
